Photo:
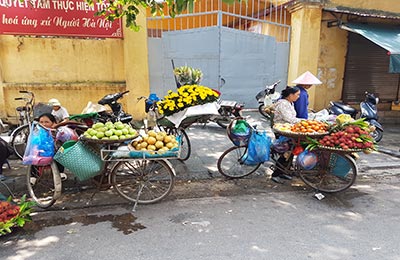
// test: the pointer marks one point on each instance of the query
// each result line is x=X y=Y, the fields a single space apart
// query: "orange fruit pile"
x=310 y=126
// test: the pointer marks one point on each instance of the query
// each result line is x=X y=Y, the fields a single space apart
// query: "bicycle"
x=334 y=171
x=142 y=180
x=25 y=116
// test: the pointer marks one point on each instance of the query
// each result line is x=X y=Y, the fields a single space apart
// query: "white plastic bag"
x=91 y=108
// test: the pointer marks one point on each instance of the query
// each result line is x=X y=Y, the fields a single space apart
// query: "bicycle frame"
x=25 y=113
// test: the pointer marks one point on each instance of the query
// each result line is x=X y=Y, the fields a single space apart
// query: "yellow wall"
x=322 y=50
x=392 y=6
x=74 y=71
x=304 y=46
x=331 y=64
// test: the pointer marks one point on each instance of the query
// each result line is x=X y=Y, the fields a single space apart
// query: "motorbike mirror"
x=222 y=82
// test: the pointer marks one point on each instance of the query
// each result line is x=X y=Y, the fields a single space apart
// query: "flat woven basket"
x=81 y=160
x=351 y=150
x=297 y=134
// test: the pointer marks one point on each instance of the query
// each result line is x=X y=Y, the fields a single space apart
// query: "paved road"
x=278 y=222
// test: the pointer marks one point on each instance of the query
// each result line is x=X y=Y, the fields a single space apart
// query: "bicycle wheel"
x=19 y=139
x=186 y=147
x=143 y=181
x=334 y=172
x=231 y=164
x=44 y=184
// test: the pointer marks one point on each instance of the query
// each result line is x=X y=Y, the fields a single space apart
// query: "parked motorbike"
x=228 y=110
x=368 y=109
x=117 y=114
x=266 y=98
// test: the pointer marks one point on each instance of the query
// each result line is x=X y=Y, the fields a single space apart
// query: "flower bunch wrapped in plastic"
x=186 y=96
x=188 y=76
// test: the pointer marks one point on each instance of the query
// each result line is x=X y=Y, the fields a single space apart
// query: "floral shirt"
x=284 y=112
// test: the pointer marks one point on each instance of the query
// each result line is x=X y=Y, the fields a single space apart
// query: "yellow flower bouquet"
x=186 y=96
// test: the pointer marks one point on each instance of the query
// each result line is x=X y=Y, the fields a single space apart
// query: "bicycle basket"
x=239 y=132
x=339 y=165
x=80 y=159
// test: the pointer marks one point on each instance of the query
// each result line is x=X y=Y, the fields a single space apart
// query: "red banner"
x=73 y=18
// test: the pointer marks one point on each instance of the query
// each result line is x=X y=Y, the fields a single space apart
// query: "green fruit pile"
x=110 y=131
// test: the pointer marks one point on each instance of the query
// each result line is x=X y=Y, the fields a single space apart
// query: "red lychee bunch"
x=351 y=137
x=8 y=211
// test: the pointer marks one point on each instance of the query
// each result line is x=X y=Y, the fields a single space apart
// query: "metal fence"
x=258 y=16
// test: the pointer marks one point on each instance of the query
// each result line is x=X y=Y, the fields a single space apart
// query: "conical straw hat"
x=307 y=78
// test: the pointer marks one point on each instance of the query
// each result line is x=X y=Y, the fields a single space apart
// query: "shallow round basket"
x=101 y=141
x=299 y=135
x=339 y=149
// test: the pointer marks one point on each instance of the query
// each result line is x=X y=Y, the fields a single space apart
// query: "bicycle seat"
x=20 y=109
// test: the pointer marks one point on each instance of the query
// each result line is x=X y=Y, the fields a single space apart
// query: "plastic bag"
x=153 y=98
x=91 y=108
x=6 y=150
x=64 y=133
x=282 y=144
x=240 y=133
x=40 y=146
x=307 y=160
x=258 y=150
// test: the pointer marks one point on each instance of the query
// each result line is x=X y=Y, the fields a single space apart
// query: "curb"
x=389 y=152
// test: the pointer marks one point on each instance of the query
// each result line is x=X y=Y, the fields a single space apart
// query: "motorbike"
x=266 y=98
x=369 y=111
x=117 y=113
x=228 y=110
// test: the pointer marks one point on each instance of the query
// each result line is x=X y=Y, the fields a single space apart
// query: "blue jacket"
x=301 y=104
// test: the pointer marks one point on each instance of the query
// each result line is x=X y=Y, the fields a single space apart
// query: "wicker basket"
x=81 y=160
x=339 y=149
x=299 y=135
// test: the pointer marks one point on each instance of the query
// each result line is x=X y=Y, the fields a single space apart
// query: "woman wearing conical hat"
x=304 y=82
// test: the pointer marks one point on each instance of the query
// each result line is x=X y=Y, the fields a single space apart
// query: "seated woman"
x=49 y=121
x=284 y=112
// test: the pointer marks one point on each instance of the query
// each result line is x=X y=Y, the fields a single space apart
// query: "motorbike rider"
x=304 y=82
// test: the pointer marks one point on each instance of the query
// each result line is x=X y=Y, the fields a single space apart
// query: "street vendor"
x=284 y=112
x=304 y=82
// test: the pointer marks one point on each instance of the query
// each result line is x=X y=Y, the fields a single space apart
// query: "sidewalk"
x=210 y=141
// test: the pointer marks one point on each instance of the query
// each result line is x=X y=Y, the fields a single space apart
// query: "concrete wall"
x=74 y=70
